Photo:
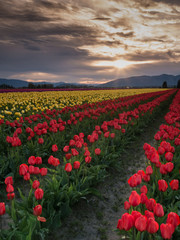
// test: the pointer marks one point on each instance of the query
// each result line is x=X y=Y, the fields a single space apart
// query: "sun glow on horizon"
x=120 y=64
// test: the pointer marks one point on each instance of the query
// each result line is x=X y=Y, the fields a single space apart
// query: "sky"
x=88 y=41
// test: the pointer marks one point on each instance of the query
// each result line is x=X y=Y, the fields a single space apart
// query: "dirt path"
x=96 y=219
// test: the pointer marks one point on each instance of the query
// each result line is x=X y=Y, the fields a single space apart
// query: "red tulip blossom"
x=40 y=140
x=97 y=151
x=144 y=189
x=2 y=208
x=173 y=219
x=27 y=176
x=162 y=185
x=54 y=148
x=152 y=226
x=158 y=210
x=10 y=196
x=32 y=160
x=37 y=210
x=74 y=152
x=169 y=166
x=68 y=156
x=149 y=170
x=66 y=149
x=9 y=180
x=134 y=180
x=35 y=184
x=134 y=199
x=76 y=165
x=9 y=188
x=166 y=230
x=38 y=160
x=127 y=205
x=141 y=223
x=68 y=167
x=149 y=214
x=39 y=193
x=127 y=221
x=23 y=168
x=31 y=169
x=144 y=198
x=169 y=156
x=150 y=204
x=174 y=184
x=88 y=159
x=43 y=171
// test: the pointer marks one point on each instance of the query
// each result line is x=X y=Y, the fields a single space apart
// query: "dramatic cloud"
x=88 y=41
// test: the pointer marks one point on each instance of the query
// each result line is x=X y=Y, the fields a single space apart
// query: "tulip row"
x=32 y=137
x=58 y=185
x=13 y=105
x=153 y=207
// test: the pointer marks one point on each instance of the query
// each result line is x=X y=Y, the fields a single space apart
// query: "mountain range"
x=131 y=82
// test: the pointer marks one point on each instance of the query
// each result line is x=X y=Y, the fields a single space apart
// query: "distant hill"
x=16 y=83
x=143 y=81
x=131 y=82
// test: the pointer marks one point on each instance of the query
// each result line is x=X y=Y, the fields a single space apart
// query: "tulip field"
x=56 y=146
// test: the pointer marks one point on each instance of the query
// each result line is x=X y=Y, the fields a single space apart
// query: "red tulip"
x=174 y=184
x=158 y=210
x=35 y=184
x=134 y=199
x=144 y=189
x=149 y=214
x=173 y=219
x=127 y=205
x=32 y=160
x=76 y=165
x=40 y=140
x=27 y=176
x=150 y=204
x=166 y=230
x=120 y=224
x=97 y=151
x=169 y=156
x=88 y=159
x=9 y=180
x=134 y=180
x=9 y=188
x=2 y=208
x=43 y=171
x=23 y=168
x=37 y=210
x=74 y=152
x=144 y=198
x=39 y=193
x=149 y=170
x=141 y=223
x=162 y=185
x=54 y=148
x=36 y=170
x=31 y=169
x=68 y=167
x=10 y=196
x=127 y=221
x=152 y=226
x=38 y=160
x=169 y=166
x=66 y=149
x=68 y=156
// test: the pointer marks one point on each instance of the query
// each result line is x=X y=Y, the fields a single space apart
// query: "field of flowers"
x=56 y=146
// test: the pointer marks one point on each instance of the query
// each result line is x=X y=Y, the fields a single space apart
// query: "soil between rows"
x=95 y=218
